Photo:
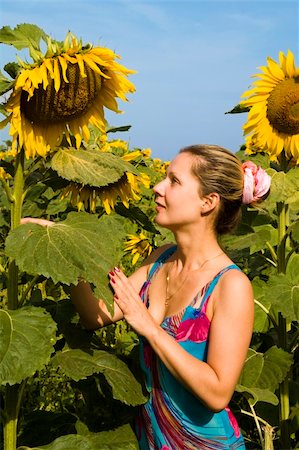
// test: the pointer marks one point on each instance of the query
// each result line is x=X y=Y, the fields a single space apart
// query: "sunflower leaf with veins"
x=24 y=35
x=80 y=247
x=90 y=167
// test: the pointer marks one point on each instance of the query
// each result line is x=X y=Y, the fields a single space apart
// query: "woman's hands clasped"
x=129 y=301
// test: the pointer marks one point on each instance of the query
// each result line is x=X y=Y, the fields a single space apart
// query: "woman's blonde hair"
x=218 y=170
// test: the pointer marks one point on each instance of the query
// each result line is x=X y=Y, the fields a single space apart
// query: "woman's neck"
x=194 y=248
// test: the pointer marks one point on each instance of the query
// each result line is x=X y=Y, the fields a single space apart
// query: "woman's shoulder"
x=233 y=284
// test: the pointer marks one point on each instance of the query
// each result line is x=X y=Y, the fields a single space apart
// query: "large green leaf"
x=255 y=241
x=122 y=438
x=283 y=290
x=258 y=395
x=27 y=337
x=264 y=372
x=262 y=302
x=82 y=246
x=24 y=35
x=94 y=168
x=78 y=364
x=284 y=188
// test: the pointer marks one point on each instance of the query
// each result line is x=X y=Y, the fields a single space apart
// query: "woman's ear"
x=210 y=202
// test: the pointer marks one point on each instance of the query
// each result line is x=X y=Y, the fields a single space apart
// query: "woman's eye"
x=174 y=180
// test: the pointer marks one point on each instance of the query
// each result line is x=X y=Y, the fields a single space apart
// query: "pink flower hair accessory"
x=256 y=183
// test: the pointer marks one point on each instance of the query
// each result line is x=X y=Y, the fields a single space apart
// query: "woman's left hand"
x=129 y=301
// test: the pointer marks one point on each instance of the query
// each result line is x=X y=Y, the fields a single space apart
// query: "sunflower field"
x=63 y=387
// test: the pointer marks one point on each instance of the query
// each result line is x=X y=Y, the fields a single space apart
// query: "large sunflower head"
x=63 y=92
x=273 y=119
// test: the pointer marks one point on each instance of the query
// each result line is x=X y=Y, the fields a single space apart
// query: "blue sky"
x=194 y=59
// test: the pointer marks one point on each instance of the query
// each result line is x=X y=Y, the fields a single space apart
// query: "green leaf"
x=137 y=215
x=12 y=68
x=5 y=84
x=94 y=168
x=261 y=320
x=258 y=395
x=118 y=129
x=283 y=290
x=78 y=364
x=295 y=231
x=284 y=186
x=255 y=241
x=264 y=372
x=27 y=337
x=24 y=35
x=121 y=438
x=238 y=109
x=82 y=246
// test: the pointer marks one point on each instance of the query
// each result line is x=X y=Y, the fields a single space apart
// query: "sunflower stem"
x=13 y=393
x=16 y=211
x=284 y=405
x=13 y=396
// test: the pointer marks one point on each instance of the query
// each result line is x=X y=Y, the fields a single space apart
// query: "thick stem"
x=284 y=404
x=13 y=393
x=16 y=213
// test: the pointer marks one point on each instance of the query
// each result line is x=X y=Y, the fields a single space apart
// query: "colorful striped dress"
x=173 y=418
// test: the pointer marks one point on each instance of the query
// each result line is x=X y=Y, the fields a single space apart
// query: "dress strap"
x=161 y=260
x=211 y=286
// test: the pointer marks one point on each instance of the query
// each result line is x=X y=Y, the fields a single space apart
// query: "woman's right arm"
x=93 y=312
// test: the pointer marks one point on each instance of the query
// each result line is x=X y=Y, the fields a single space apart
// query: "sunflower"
x=138 y=246
x=160 y=166
x=273 y=119
x=126 y=188
x=63 y=92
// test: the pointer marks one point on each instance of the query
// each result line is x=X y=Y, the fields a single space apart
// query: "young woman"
x=191 y=305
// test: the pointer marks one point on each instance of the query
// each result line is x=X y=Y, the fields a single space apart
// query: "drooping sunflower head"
x=126 y=189
x=63 y=92
x=273 y=119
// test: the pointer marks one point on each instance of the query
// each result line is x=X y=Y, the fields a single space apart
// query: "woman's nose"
x=158 y=189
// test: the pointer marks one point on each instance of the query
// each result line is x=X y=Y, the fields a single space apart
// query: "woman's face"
x=177 y=196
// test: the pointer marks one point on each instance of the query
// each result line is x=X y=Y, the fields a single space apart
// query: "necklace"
x=168 y=296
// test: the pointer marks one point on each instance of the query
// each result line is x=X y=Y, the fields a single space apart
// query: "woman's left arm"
x=214 y=381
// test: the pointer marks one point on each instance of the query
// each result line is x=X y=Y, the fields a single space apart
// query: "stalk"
x=284 y=405
x=13 y=393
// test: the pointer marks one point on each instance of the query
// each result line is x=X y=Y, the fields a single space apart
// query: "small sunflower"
x=4 y=175
x=62 y=93
x=273 y=119
x=160 y=166
x=138 y=246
